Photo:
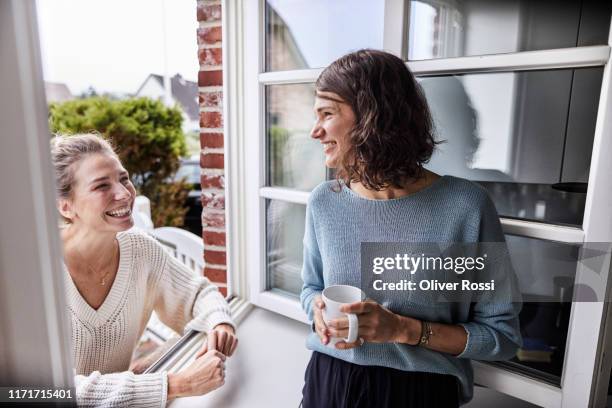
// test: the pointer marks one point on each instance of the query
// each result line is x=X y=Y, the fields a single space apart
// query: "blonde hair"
x=67 y=151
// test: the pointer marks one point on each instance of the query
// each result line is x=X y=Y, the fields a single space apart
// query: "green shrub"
x=149 y=140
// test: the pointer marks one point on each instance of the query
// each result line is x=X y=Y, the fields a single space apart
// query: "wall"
x=210 y=83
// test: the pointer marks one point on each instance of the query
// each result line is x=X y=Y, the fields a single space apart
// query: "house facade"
x=520 y=90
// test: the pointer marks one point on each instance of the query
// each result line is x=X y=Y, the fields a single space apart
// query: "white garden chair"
x=188 y=248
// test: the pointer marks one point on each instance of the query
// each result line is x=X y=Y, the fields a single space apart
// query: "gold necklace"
x=103 y=280
x=93 y=271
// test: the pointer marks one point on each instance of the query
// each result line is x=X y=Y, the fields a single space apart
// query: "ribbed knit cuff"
x=211 y=321
x=151 y=390
x=164 y=399
x=218 y=317
x=308 y=306
x=476 y=341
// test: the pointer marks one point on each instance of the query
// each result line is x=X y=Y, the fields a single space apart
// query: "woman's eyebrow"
x=104 y=178
x=99 y=179
x=328 y=107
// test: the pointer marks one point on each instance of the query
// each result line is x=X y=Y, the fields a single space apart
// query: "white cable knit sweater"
x=148 y=279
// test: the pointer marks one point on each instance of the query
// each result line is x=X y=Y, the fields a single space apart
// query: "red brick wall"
x=210 y=82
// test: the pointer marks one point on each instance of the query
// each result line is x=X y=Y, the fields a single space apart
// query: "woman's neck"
x=389 y=193
x=83 y=245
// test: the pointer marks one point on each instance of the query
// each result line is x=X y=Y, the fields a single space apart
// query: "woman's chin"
x=128 y=225
x=119 y=225
x=331 y=162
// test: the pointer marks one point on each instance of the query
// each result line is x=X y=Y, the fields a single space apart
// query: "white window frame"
x=34 y=347
x=30 y=244
x=588 y=367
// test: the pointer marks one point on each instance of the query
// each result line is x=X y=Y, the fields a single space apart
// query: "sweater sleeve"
x=185 y=300
x=124 y=389
x=312 y=267
x=493 y=332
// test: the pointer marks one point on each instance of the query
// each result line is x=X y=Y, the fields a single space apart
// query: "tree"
x=149 y=140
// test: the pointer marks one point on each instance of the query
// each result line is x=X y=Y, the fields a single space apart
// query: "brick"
x=215 y=220
x=215 y=257
x=210 y=57
x=211 y=119
x=213 y=200
x=208 y=181
x=209 y=12
x=216 y=275
x=209 y=35
x=212 y=161
x=212 y=140
x=211 y=99
x=223 y=291
x=210 y=78
x=214 y=238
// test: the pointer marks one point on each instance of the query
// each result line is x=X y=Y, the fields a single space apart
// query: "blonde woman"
x=116 y=278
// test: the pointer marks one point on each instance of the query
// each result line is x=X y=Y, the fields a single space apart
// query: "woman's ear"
x=64 y=206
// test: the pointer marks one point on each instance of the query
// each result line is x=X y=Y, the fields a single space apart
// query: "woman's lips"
x=328 y=147
x=120 y=213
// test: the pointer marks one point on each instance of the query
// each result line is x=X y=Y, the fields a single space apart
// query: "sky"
x=113 y=45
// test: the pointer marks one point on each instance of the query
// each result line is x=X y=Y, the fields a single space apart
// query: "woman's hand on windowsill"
x=205 y=374
x=221 y=338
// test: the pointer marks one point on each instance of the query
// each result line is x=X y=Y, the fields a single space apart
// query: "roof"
x=57 y=92
x=184 y=92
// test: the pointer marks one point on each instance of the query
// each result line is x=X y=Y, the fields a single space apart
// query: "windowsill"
x=267 y=369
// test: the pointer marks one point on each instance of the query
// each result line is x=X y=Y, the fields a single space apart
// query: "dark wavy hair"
x=393 y=133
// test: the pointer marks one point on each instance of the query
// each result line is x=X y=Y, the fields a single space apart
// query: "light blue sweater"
x=449 y=210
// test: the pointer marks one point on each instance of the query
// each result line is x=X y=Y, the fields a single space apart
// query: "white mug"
x=336 y=296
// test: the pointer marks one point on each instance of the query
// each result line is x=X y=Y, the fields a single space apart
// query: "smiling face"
x=102 y=195
x=334 y=121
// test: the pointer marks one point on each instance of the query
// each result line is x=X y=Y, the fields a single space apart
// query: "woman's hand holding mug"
x=377 y=324
x=326 y=308
x=319 y=323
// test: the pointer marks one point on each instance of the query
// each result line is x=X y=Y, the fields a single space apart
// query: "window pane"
x=313 y=33
x=284 y=235
x=449 y=28
x=526 y=136
x=294 y=159
x=546 y=272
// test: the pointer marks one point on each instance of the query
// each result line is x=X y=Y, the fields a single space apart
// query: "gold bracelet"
x=426 y=333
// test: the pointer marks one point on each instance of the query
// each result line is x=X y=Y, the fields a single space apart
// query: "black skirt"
x=335 y=383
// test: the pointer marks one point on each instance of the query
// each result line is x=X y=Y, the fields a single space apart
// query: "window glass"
x=294 y=159
x=454 y=28
x=284 y=235
x=526 y=137
x=546 y=272
x=313 y=33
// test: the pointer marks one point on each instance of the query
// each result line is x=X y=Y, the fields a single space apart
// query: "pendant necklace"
x=102 y=280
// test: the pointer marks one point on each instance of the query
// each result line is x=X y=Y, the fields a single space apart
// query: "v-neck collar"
x=113 y=299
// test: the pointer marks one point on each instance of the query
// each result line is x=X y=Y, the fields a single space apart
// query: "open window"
x=520 y=91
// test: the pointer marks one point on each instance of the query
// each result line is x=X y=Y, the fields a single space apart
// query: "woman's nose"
x=316 y=131
x=122 y=192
